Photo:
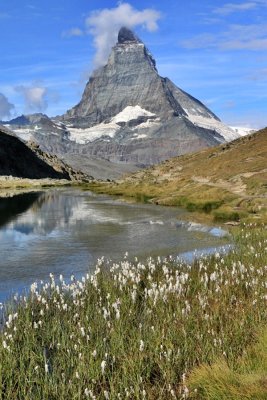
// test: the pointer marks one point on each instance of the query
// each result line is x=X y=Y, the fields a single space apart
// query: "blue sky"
x=213 y=49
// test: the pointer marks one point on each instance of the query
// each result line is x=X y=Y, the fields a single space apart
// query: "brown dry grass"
x=228 y=182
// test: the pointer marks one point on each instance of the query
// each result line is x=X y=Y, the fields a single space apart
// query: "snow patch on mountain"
x=129 y=113
x=211 y=123
x=243 y=131
x=82 y=136
x=24 y=134
x=148 y=123
x=139 y=136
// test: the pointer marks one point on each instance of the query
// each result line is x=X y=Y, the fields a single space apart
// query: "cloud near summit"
x=104 y=25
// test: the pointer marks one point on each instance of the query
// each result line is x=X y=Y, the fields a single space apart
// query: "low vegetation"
x=226 y=183
x=13 y=183
x=155 y=330
x=246 y=378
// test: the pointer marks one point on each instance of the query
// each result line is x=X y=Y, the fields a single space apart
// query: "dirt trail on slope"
x=234 y=185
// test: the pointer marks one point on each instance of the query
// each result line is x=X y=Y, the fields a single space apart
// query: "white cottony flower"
x=33 y=287
x=106 y=395
x=103 y=366
x=133 y=295
x=185 y=392
x=46 y=368
x=94 y=353
x=89 y=393
x=82 y=331
x=142 y=345
x=105 y=313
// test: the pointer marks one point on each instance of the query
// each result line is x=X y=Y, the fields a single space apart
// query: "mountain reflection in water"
x=10 y=207
x=65 y=231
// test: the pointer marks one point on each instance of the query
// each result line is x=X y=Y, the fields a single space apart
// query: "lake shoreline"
x=66 y=229
x=11 y=186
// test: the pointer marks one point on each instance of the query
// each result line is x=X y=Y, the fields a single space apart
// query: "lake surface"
x=65 y=231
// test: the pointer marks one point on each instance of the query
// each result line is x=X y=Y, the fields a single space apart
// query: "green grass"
x=245 y=379
x=226 y=214
x=135 y=330
x=202 y=206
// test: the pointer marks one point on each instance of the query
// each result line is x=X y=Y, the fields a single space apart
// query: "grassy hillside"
x=228 y=182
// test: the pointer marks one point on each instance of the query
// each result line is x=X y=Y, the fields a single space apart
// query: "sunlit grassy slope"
x=229 y=181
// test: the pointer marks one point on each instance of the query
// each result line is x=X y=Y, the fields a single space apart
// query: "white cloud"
x=203 y=40
x=34 y=96
x=254 y=45
x=238 y=37
x=104 y=26
x=73 y=32
x=230 y=8
x=254 y=119
x=5 y=107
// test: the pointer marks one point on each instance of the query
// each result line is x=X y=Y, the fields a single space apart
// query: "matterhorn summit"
x=130 y=115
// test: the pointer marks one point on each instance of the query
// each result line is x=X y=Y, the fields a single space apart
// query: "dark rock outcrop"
x=20 y=160
x=126 y=35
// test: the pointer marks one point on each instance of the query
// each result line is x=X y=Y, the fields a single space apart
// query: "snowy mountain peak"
x=129 y=114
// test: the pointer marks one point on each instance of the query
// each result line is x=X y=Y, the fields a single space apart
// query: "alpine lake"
x=65 y=232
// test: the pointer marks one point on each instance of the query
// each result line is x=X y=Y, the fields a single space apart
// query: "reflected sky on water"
x=65 y=231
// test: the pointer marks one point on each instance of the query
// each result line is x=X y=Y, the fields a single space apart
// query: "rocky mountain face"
x=128 y=115
x=29 y=161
